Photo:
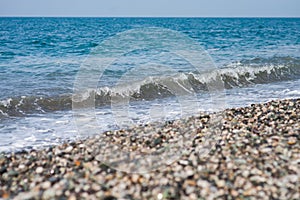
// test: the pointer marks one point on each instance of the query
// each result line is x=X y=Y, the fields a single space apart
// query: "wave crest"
x=239 y=74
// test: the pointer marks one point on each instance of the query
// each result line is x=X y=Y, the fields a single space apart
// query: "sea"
x=135 y=71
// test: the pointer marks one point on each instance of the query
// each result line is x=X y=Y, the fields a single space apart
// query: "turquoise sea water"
x=258 y=60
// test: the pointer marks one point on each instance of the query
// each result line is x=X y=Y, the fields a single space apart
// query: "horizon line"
x=99 y=16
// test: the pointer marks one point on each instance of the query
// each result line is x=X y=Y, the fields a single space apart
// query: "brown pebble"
x=292 y=140
x=249 y=192
x=191 y=182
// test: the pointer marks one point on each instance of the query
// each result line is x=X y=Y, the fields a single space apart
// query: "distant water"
x=258 y=60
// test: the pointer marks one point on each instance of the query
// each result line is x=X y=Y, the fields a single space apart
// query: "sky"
x=151 y=8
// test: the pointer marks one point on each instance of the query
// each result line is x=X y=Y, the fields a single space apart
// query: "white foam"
x=6 y=102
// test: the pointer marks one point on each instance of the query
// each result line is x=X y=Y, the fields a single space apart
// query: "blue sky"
x=184 y=8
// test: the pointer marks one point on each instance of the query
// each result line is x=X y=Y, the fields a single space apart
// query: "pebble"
x=72 y=197
x=183 y=162
x=220 y=183
x=57 y=152
x=39 y=170
x=245 y=173
x=234 y=193
x=258 y=179
x=13 y=173
x=46 y=185
x=160 y=196
x=292 y=140
x=49 y=193
x=22 y=166
x=69 y=149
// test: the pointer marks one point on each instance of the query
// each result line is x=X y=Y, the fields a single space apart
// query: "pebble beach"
x=256 y=156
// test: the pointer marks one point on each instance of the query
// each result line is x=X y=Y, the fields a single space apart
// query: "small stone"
x=203 y=183
x=22 y=166
x=72 y=197
x=39 y=170
x=27 y=195
x=69 y=149
x=258 y=179
x=259 y=114
x=160 y=196
x=77 y=163
x=13 y=173
x=193 y=196
x=96 y=187
x=157 y=141
x=109 y=197
x=99 y=194
x=5 y=195
x=292 y=140
x=135 y=178
x=249 y=192
x=220 y=183
x=256 y=171
x=189 y=173
x=3 y=170
x=183 y=162
x=58 y=192
x=67 y=193
x=234 y=193
x=46 y=185
x=266 y=150
x=189 y=189
x=48 y=194
x=53 y=179
x=164 y=181
x=191 y=182
x=239 y=182
x=57 y=151
x=245 y=173
x=279 y=149
x=86 y=187
x=291 y=104
x=62 y=170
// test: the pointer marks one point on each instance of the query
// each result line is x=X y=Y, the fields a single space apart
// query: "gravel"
x=257 y=156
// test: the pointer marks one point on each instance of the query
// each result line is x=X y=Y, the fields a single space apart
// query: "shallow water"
x=256 y=59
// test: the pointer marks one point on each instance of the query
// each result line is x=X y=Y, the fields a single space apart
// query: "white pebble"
x=39 y=170
x=159 y=196
x=68 y=149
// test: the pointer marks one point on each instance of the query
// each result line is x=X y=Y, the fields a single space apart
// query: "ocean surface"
x=256 y=59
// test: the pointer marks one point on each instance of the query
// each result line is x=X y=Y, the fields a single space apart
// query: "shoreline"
x=257 y=156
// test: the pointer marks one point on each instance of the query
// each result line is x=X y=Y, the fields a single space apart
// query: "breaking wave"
x=238 y=74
